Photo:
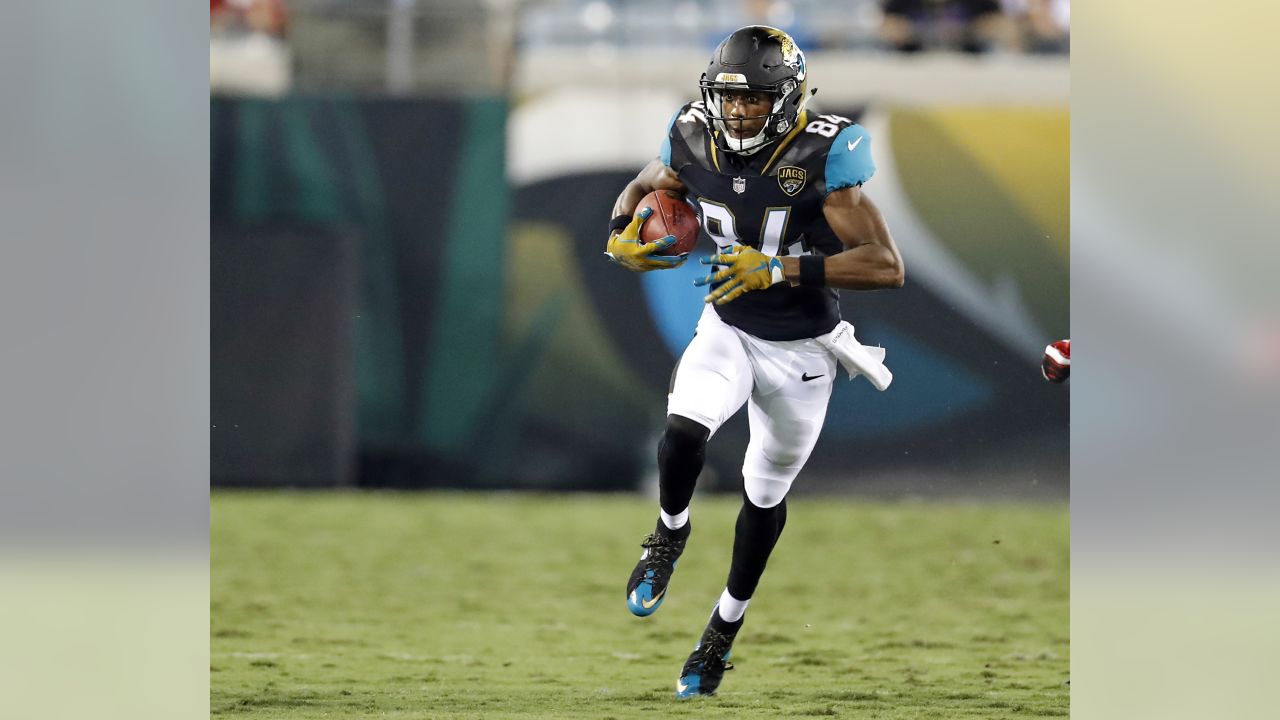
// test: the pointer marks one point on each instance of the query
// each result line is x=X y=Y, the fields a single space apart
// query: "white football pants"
x=788 y=384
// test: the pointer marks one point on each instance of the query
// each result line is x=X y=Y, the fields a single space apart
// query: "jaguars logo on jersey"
x=791 y=179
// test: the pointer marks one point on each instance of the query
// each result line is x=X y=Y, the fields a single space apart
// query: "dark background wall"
x=282 y=382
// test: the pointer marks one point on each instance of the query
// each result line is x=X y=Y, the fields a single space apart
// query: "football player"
x=779 y=190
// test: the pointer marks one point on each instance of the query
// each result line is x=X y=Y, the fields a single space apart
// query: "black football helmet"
x=762 y=58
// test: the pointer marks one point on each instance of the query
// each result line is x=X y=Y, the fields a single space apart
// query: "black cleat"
x=648 y=583
x=706 y=666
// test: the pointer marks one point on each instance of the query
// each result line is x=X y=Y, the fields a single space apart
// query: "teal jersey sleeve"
x=849 y=160
x=665 y=153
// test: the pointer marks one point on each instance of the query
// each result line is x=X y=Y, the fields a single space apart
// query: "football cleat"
x=647 y=586
x=707 y=664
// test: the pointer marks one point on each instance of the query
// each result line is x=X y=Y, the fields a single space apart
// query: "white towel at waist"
x=856 y=358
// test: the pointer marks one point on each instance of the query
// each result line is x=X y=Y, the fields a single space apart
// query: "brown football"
x=671 y=216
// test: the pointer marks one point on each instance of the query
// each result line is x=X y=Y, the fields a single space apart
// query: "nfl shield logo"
x=739 y=185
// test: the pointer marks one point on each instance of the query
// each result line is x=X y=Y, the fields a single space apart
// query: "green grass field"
x=351 y=605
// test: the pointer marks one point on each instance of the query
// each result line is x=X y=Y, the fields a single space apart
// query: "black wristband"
x=616 y=224
x=813 y=271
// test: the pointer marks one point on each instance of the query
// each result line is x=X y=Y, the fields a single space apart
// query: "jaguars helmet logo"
x=791 y=55
x=791 y=179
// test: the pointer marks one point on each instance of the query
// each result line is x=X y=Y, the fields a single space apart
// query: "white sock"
x=731 y=608
x=674 y=522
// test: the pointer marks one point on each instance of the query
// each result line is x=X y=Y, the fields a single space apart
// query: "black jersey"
x=772 y=201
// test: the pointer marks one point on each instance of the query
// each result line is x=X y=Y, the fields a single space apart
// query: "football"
x=1056 y=364
x=671 y=216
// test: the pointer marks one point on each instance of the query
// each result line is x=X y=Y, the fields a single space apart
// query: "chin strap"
x=754 y=150
x=749 y=151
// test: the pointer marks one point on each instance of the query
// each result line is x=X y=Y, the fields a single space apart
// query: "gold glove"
x=749 y=269
x=626 y=249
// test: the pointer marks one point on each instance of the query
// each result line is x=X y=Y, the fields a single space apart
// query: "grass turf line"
x=350 y=605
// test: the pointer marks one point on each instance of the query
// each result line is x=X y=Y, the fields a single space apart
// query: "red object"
x=671 y=216
x=1056 y=364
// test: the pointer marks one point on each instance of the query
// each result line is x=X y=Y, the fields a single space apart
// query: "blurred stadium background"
x=408 y=202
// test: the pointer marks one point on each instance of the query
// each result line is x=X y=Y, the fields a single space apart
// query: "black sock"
x=757 y=531
x=680 y=456
x=680 y=533
x=721 y=625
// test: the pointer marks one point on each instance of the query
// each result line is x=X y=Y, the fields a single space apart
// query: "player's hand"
x=626 y=249
x=748 y=270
